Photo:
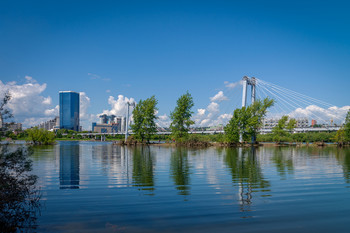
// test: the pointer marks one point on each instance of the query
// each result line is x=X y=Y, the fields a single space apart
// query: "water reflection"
x=246 y=173
x=143 y=168
x=343 y=157
x=180 y=170
x=69 y=165
x=283 y=160
x=19 y=198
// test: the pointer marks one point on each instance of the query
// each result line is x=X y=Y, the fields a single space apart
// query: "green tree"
x=256 y=113
x=340 y=136
x=347 y=127
x=279 y=130
x=40 y=136
x=232 y=129
x=247 y=121
x=181 y=116
x=283 y=129
x=144 y=115
x=4 y=112
x=292 y=123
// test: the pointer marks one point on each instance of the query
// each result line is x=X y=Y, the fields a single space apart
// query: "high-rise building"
x=69 y=110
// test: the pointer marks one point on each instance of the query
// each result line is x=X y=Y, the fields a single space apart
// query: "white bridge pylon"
x=246 y=81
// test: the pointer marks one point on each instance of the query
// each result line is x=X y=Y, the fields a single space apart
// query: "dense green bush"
x=40 y=136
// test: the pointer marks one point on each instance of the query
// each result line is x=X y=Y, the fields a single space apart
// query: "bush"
x=40 y=136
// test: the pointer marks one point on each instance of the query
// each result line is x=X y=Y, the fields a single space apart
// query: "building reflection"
x=143 y=168
x=115 y=164
x=69 y=165
x=246 y=174
x=180 y=170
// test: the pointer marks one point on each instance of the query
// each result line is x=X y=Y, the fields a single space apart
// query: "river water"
x=100 y=187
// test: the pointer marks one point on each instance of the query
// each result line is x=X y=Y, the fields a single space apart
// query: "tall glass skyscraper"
x=69 y=110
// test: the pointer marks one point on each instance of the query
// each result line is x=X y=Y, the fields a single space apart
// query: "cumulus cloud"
x=219 y=97
x=201 y=111
x=118 y=106
x=211 y=116
x=85 y=117
x=164 y=120
x=31 y=108
x=27 y=103
x=322 y=115
x=213 y=107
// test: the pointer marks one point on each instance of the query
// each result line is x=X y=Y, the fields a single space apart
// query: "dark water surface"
x=100 y=187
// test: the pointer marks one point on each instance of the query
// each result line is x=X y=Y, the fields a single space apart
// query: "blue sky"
x=164 y=48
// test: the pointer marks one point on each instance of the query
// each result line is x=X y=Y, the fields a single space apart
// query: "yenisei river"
x=100 y=187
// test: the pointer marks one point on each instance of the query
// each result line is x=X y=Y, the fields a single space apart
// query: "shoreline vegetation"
x=241 y=130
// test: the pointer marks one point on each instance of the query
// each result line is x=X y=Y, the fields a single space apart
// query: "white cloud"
x=164 y=120
x=219 y=97
x=118 y=106
x=53 y=111
x=232 y=85
x=27 y=103
x=201 y=111
x=85 y=117
x=31 y=108
x=211 y=116
x=322 y=115
x=213 y=107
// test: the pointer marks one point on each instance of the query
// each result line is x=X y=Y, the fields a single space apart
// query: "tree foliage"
x=4 y=112
x=19 y=198
x=343 y=134
x=181 y=116
x=347 y=127
x=144 y=115
x=284 y=128
x=40 y=136
x=247 y=121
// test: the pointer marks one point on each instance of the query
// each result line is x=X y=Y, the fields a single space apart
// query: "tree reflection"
x=143 y=168
x=180 y=170
x=283 y=161
x=246 y=173
x=19 y=200
x=343 y=157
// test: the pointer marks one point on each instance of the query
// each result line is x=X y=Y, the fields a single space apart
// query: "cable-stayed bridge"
x=312 y=115
x=308 y=111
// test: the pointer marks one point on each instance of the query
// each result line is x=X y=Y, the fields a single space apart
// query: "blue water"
x=100 y=187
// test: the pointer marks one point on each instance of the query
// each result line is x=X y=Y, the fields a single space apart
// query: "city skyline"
x=117 y=52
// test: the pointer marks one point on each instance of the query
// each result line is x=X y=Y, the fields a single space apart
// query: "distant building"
x=69 y=110
x=50 y=125
x=109 y=124
x=313 y=122
x=272 y=122
x=13 y=126
x=302 y=122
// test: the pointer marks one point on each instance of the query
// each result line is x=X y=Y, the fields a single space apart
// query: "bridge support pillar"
x=252 y=82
